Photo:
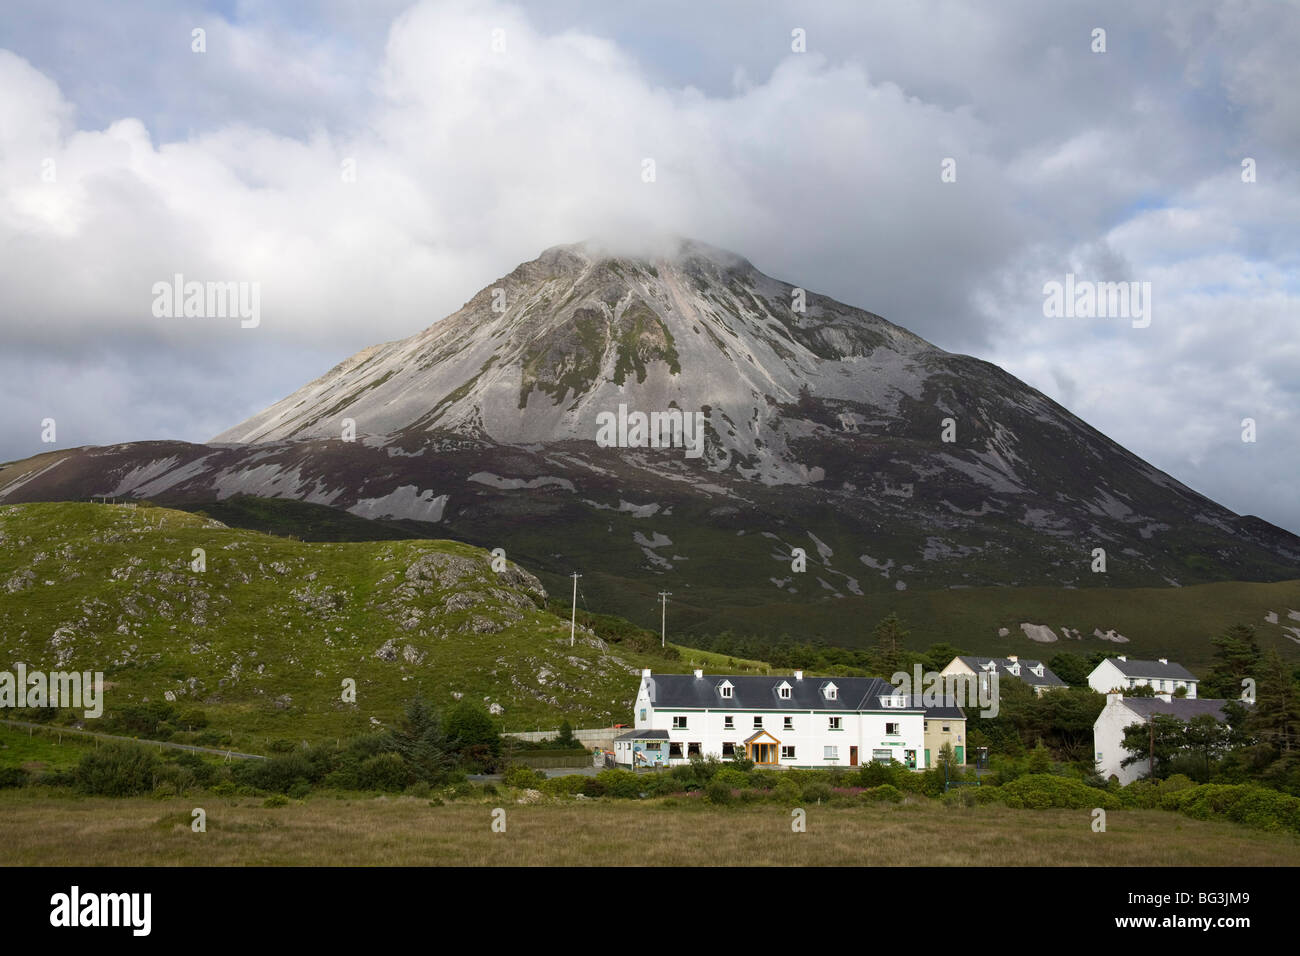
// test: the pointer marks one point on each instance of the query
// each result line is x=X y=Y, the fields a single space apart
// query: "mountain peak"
x=651 y=249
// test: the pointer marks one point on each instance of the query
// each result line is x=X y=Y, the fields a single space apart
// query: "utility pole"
x=663 y=620
x=573 y=619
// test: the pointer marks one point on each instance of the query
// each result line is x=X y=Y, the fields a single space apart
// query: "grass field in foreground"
x=324 y=831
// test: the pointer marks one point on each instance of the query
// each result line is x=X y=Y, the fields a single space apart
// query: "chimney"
x=1013 y=658
x=645 y=672
x=1113 y=698
x=1167 y=698
x=699 y=674
x=1163 y=660
x=798 y=675
x=1123 y=658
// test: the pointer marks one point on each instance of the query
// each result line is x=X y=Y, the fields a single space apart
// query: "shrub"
x=660 y=784
x=276 y=800
x=524 y=778
x=884 y=792
x=281 y=772
x=718 y=791
x=622 y=784
x=817 y=792
x=117 y=770
x=203 y=772
x=1044 y=791
x=733 y=779
x=386 y=772
x=567 y=785
x=12 y=777
x=1248 y=804
x=787 y=791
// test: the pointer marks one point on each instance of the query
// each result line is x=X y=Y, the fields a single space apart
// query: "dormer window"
x=832 y=692
x=783 y=690
x=726 y=688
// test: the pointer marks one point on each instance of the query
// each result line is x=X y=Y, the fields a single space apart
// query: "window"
x=837 y=723
x=679 y=722
x=947 y=729
x=674 y=750
x=832 y=753
x=728 y=723
x=729 y=749
x=891 y=730
x=882 y=756
x=758 y=723
x=693 y=750
x=643 y=713
x=832 y=692
x=787 y=753
x=789 y=724
x=654 y=747
x=783 y=691
x=726 y=689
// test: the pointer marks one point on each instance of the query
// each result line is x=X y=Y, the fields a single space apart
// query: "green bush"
x=387 y=772
x=12 y=777
x=817 y=792
x=1248 y=804
x=1044 y=791
x=787 y=791
x=733 y=779
x=524 y=778
x=117 y=770
x=718 y=791
x=567 y=785
x=276 y=800
x=622 y=784
x=884 y=792
x=281 y=772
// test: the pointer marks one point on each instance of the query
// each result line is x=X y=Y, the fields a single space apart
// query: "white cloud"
x=821 y=168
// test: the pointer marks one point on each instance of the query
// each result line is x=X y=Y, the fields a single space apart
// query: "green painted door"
x=927 y=759
x=960 y=752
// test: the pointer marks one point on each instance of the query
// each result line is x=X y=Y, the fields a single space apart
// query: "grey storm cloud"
x=481 y=133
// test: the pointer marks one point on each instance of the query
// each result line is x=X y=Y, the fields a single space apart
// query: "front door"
x=853 y=756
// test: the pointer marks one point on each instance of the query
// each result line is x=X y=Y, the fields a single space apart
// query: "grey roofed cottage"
x=778 y=692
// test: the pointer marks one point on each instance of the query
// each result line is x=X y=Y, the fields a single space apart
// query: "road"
x=229 y=754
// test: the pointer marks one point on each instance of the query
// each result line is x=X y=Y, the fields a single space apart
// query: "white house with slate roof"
x=1034 y=673
x=1121 y=674
x=1121 y=712
x=776 y=721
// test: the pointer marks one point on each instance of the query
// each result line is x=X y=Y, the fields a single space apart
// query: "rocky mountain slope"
x=892 y=464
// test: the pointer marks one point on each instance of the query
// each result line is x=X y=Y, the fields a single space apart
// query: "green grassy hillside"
x=738 y=590
x=1159 y=622
x=263 y=639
